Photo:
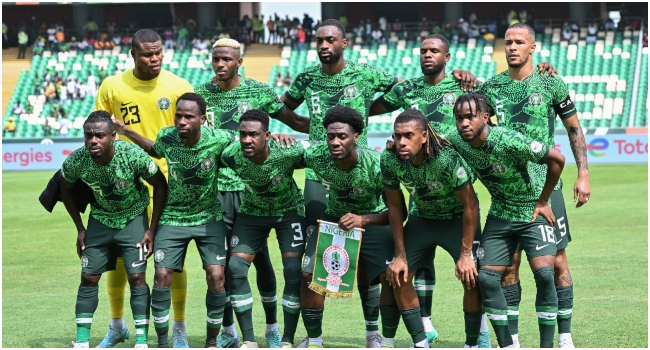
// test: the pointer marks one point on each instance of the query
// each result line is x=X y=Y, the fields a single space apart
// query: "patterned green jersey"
x=502 y=166
x=355 y=86
x=119 y=192
x=436 y=102
x=192 y=176
x=226 y=107
x=357 y=190
x=432 y=185
x=529 y=106
x=270 y=187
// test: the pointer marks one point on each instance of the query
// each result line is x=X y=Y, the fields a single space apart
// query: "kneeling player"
x=501 y=158
x=272 y=200
x=114 y=170
x=352 y=178
x=445 y=203
x=192 y=211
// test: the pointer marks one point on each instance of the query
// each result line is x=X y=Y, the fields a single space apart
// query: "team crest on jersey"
x=359 y=191
x=434 y=185
x=309 y=230
x=536 y=99
x=536 y=147
x=461 y=173
x=350 y=92
x=480 y=253
x=158 y=256
x=336 y=260
x=207 y=164
x=243 y=107
x=234 y=241
x=277 y=179
x=499 y=168
x=152 y=167
x=449 y=99
x=84 y=261
x=305 y=261
x=122 y=184
x=164 y=103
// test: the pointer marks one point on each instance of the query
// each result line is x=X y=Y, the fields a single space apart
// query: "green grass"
x=608 y=260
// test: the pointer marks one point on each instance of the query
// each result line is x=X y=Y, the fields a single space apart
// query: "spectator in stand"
x=23 y=39
x=645 y=40
x=523 y=16
x=63 y=94
x=38 y=85
x=126 y=40
x=293 y=35
x=18 y=109
x=59 y=35
x=472 y=18
x=29 y=109
x=344 y=21
x=99 y=44
x=91 y=82
x=182 y=38
x=39 y=46
x=279 y=81
x=302 y=37
x=368 y=30
x=377 y=35
x=110 y=28
x=383 y=25
x=50 y=92
x=270 y=25
x=307 y=25
x=168 y=34
x=512 y=17
x=397 y=26
x=74 y=44
x=463 y=26
x=592 y=32
x=117 y=40
x=103 y=74
x=71 y=88
x=424 y=25
x=51 y=38
x=256 y=25
x=567 y=33
x=91 y=28
x=5 y=36
x=80 y=89
x=287 y=80
x=64 y=126
x=248 y=25
x=10 y=126
x=83 y=45
x=47 y=129
x=360 y=31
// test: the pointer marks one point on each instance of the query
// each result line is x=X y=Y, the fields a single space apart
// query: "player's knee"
x=89 y=280
x=489 y=281
x=545 y=278
x=292 y=269
x=306 y=278
x=561 y=263
x=163 y=277
x=238 y=267
x=137 y=280
x=215 y=277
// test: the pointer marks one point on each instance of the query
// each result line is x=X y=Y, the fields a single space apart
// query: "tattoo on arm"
x=579 y=147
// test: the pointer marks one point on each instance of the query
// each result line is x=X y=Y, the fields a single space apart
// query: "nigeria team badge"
x=359 y=191
x=207 y=164
x=499 y=168
x=243 y=107
x=449 y=99
x=536 y=99
x=234 y=241
x=536 y=146
x=158 y=256
x=164 y=103
x=84 y=261
x=480 y=253
x=122 y=184
x=434 y=185
x=350 y=92
x=277 y=179
x=335 y=263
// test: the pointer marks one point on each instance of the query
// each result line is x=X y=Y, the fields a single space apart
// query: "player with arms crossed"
x=228 y=96
x=114 y=170
x=519 y=213
x=352 y=178
x=192 y=211
x=144 y=99
x=526 y=101
x=443 y=198
x=272 y=200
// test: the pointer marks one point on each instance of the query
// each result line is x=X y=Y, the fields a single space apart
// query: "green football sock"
x=513 y=298
x=564 y=308
x=87 y=301
x=413 y=323
x=160 y=303
x=214 y=303
x=425 y=283
x=140 y=303
x=370 y=304
x=472 y=326
x=546 y=305
x=494 y=304
x=313 y=320
x=266 y=284
x=291 y=297
x=389 y=320
x=241 y=296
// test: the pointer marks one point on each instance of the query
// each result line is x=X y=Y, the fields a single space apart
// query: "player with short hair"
x=351 y=175
x=143 y=98
x=114 y=170
x=502 y=160
x=229 y=95
x=192 y=211
x=443 y=199
x=272 y=200
x=526 y=101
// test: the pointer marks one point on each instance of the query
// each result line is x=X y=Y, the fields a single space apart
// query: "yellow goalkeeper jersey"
x=146 y=106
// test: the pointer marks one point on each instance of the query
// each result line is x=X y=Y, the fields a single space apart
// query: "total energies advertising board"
x=601 y=149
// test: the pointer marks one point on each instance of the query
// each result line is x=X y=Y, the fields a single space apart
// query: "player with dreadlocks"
x=440 y=183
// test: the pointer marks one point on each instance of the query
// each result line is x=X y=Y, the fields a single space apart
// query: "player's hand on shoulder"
x=285 y=140
x=466 y=79
x=546 y=68
x=81 y=246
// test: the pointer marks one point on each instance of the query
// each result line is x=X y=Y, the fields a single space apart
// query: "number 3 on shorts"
x=296 y=227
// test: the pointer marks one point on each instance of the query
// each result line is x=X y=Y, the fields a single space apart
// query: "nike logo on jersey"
x=388 y=262
x=294 y=244
x=220 y=257
x=538 y=247
x=136 y=265
x=128 y=103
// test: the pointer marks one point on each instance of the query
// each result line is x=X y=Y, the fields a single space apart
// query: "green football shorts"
x=250 y=232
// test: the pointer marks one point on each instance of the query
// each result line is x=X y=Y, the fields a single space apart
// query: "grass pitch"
x=608 y=260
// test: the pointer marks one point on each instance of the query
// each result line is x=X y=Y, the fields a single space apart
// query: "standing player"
x=352 y=177
x=272 y=200
x=144 y=99
x=114 y=170
x=501 y=158
x=526 y=101
x=192 y=211
x=228 y=96
x=334 y=82
x=440 y=184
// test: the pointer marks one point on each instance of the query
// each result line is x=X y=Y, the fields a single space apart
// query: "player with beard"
x=228 y=96
x=443 y=198
x=192 y=211
x=145 y=99
x=526 y=101
x=118 y=218
x=520 y=213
